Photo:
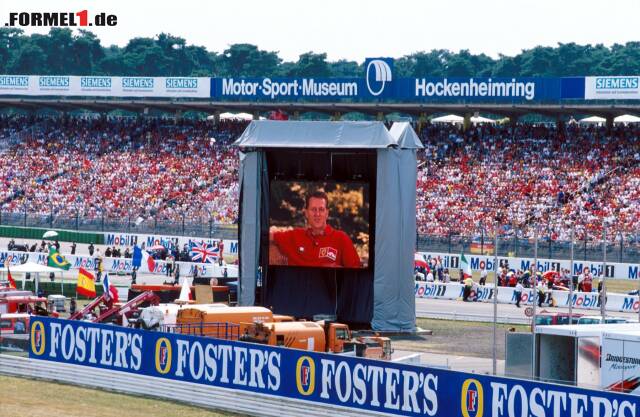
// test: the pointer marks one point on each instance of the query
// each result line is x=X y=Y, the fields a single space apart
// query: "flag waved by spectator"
x=56 y=260
x=204 y=252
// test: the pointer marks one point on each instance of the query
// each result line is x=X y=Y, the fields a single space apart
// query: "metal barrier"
x=624 y=251
x=227 y=331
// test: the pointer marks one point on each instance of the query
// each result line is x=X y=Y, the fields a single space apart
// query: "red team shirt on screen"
x=330 y=250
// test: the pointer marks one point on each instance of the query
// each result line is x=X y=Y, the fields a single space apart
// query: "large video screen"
x=319 y=224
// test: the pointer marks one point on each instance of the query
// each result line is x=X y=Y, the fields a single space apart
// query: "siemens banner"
x=612 y=88
x=65 y=85
x=350 y=382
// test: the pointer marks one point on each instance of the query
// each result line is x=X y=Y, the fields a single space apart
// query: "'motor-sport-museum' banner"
x=351 y=382
x=406 y=89
x=65 y=85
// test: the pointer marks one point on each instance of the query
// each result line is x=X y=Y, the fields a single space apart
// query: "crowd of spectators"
x=523 y=177
x=121 y=168
x=527 y=177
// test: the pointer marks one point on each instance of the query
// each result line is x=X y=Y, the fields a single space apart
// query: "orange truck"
x=260 y=325
x=319 y=337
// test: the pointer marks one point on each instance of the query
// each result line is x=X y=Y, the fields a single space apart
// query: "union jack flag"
x=204 y=252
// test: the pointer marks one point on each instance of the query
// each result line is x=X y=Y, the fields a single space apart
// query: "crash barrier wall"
x=506 y=295
x=63 y=235
x=292 y=377
x=204 y=226
x=624 y=249
x=126 y=240
x=120 y=265
x=482 y=262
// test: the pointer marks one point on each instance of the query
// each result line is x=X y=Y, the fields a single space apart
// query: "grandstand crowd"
x=519 y=176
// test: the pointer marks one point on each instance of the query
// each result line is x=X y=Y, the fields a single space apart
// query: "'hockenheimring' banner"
x=351 y=382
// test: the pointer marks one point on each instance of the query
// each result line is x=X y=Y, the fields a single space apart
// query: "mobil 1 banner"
x=350 y=382
x=481 y=262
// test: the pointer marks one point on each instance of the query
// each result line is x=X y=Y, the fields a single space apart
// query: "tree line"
x=63 y=52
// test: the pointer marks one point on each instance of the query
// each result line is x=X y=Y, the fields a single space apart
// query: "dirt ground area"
x=456 y=338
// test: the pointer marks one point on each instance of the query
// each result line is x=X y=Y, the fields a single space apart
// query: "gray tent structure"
x=380 y=296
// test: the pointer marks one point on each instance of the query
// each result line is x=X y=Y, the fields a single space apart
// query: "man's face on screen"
x=317 y=213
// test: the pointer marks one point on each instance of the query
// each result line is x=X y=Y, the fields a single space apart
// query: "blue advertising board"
x=428 y=89
x=322 y=378
x=379 y=83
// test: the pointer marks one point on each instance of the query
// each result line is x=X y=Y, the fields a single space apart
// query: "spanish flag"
x=86 y=283
x=56 y=260
x=12 y=283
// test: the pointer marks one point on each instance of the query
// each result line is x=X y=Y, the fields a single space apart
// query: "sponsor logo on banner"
x=95 y=83
x=614 y=87
x=610 y=271
x=137 y=83
x=306 y=375
x=181 y=83
x=585 y=300
x=378 y=73
x=423 y=290
x=472 y=398
x=481 y=293
x=14 y=82
x=38 y=343
x=629 y=304
x=163 y=355
x=53 y=82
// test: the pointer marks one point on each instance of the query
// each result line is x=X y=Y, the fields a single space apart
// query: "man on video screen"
x=318 y=244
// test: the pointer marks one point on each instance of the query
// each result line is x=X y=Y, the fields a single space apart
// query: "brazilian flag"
x=56 y=260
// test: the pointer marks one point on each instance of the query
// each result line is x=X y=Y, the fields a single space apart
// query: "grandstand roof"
x=512 y=110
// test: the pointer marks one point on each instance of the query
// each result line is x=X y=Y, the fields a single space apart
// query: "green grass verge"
x=34 y=398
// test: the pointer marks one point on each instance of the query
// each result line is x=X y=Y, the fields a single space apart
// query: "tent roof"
x=593 y=119
x=449 y=118
x=627 y=118
x=452 y=118
x=481 y=119
x=405 y=136
x=316 y=134
x=31 y=267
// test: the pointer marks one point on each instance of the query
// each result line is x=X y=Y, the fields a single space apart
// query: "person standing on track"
x=518 y=293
